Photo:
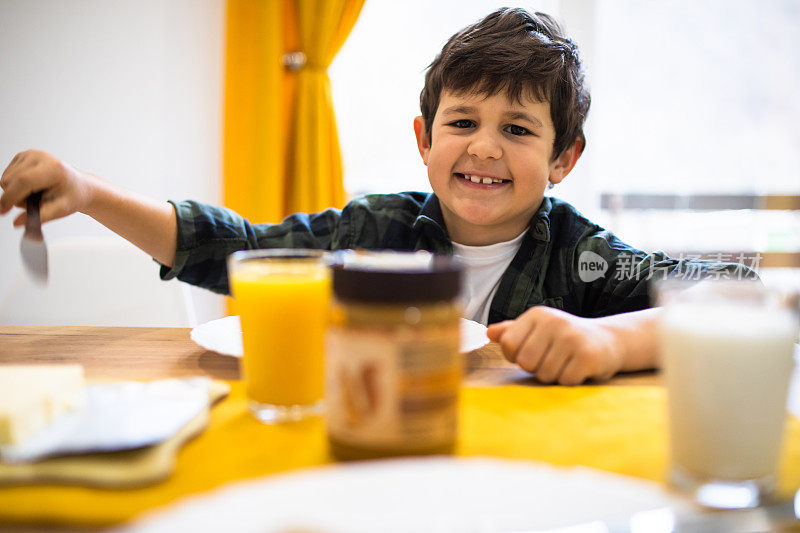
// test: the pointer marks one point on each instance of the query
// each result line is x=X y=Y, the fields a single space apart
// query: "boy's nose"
x=484 y=147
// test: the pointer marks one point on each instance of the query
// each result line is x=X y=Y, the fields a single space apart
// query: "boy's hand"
x=66 y=190
x=149 y=224
x=559 y=347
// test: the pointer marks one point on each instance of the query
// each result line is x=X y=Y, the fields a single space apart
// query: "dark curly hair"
x=522 y=54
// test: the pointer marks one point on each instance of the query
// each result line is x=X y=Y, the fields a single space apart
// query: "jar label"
x=393 y=387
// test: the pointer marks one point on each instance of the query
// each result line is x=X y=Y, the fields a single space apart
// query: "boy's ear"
x=564 y=163
x=423 y=141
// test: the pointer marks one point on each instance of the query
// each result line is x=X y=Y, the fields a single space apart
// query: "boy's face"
x=490 y=138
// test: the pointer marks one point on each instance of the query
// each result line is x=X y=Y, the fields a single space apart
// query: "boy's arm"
x=637 y=336
x=622 y=336
x=564 y=348
x=147 y=223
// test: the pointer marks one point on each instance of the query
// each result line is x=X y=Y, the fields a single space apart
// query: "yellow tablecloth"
x=619 y=429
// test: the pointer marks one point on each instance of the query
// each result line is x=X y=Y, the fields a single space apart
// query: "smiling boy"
x=490 y=163
x=502 y=114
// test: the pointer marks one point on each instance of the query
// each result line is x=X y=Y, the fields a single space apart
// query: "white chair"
x=98 y=281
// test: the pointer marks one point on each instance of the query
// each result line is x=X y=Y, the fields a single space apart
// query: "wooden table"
x=150 y=353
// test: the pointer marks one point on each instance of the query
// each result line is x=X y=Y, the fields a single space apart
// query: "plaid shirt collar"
x=430 y=214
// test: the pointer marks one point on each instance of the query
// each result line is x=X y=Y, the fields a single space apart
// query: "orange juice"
x=283 y=305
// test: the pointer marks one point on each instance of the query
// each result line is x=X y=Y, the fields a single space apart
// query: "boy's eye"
x=517 y=130
x=462 y=123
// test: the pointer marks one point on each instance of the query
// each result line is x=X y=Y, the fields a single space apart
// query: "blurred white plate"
x=419 y=495
x=224 y=336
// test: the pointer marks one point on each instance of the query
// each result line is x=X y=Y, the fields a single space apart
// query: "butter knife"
x=32 y=247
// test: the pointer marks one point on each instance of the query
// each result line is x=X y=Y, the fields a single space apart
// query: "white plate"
x=473 y=335
x=419 y=495
x=224 y=336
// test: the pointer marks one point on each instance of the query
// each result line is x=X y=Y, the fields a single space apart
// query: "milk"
x=727 y=370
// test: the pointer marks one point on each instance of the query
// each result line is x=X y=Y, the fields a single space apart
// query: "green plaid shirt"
x=565 y=261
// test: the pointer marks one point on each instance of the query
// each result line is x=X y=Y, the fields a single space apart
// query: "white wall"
x=130 y=90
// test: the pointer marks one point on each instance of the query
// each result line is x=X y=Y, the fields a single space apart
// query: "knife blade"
x=32 y=246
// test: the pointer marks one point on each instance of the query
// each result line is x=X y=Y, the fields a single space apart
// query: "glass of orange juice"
x=283 y=298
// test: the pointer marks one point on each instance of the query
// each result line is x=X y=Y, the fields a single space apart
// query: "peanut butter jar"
x=393 y=367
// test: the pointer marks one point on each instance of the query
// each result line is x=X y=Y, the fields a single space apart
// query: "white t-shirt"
x=484 y=266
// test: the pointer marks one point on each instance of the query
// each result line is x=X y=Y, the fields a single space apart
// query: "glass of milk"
x=727 y=356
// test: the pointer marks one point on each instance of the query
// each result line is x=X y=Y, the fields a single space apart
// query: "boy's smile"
x=489 y=161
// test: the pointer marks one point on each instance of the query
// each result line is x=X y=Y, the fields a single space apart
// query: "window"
x=696 y=97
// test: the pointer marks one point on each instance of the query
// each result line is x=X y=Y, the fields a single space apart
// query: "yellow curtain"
x=316 y=163
x=281 y=149
x=280 y=146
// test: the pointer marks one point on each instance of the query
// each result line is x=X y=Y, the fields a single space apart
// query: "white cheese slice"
x=32 y=396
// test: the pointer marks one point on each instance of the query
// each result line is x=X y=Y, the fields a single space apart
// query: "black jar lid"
x=396 y=277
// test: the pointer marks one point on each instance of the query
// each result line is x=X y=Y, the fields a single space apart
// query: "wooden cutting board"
x=122 y=469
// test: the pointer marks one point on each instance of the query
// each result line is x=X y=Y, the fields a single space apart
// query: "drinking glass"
x=283 y=298
x=727 y=352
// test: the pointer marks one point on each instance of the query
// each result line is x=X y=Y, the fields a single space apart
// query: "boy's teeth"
x=478 y=179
